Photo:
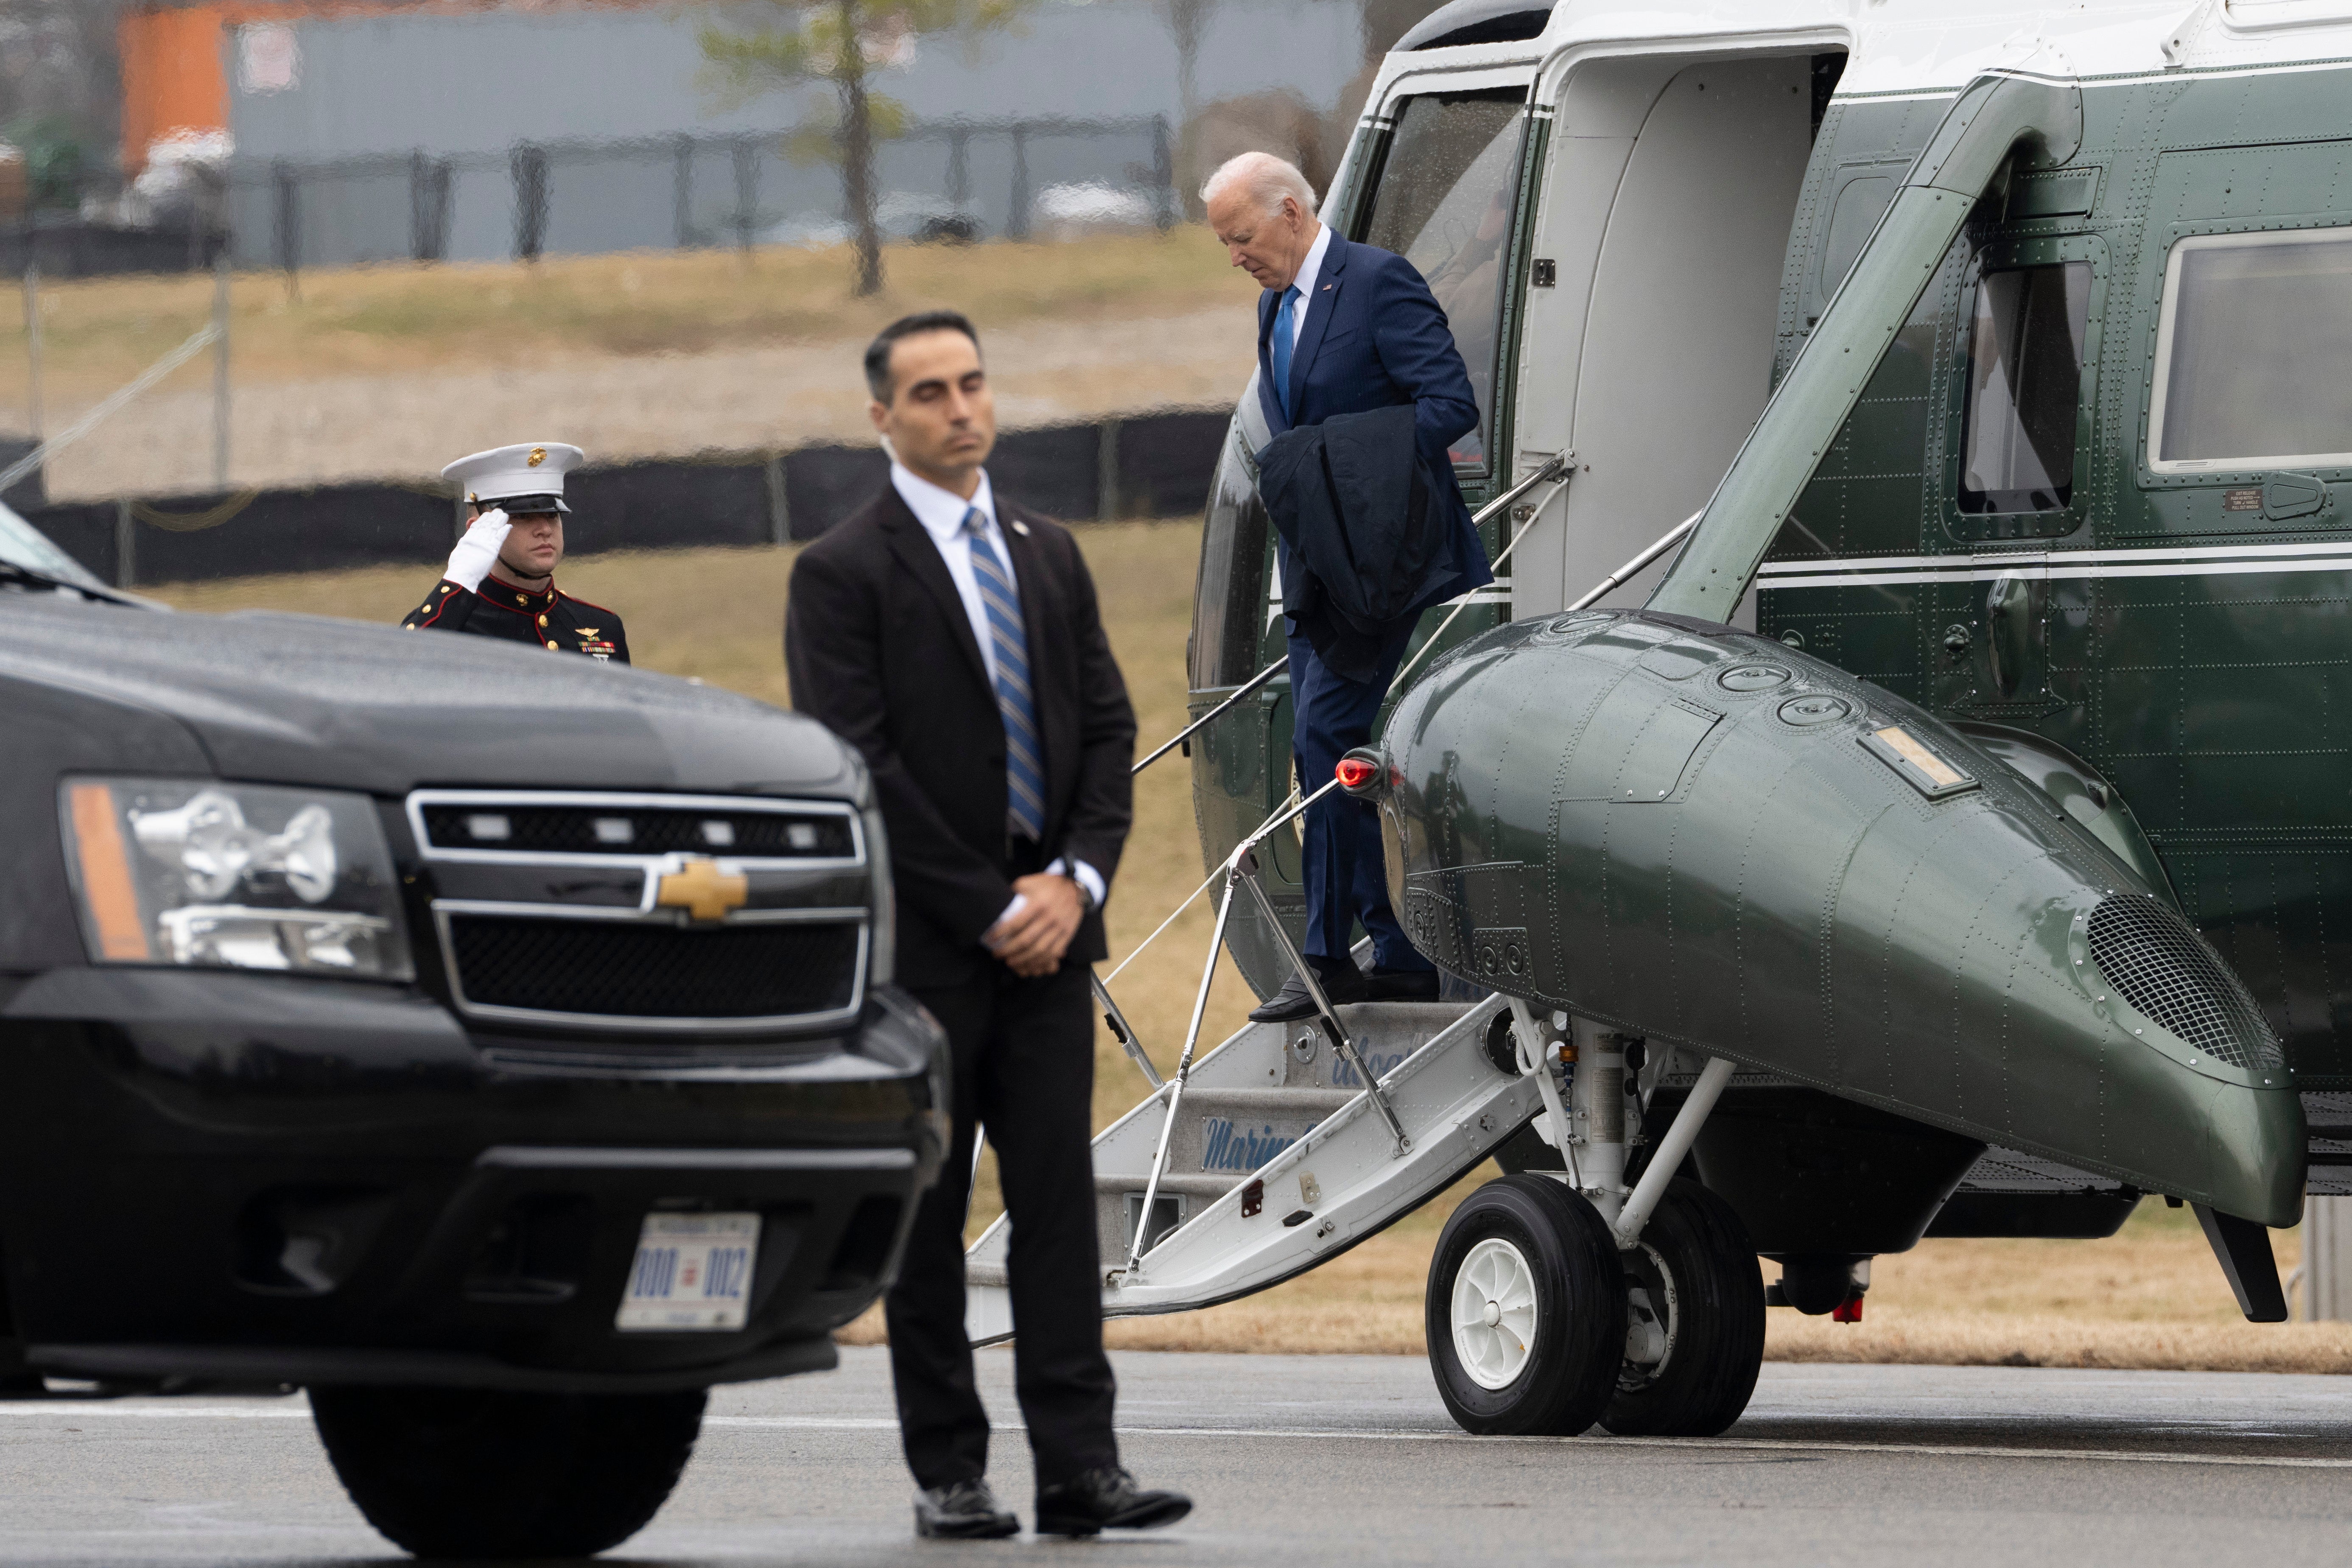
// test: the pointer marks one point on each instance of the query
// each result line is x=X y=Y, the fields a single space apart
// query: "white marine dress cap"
x=508 y=476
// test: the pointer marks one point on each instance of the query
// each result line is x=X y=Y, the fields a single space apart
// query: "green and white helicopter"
x=1898 y=785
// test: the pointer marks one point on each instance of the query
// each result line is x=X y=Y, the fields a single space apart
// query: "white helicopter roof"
x=1926 y=47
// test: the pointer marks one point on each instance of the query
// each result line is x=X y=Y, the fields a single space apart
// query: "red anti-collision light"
x=1357 y=775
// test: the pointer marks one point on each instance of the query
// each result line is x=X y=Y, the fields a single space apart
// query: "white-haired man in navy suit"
x=1344 y=328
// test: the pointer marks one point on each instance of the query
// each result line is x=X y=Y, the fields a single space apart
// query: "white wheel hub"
x=1495 y=1314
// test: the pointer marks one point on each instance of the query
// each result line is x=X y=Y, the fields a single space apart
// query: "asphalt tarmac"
x=1303 y=1460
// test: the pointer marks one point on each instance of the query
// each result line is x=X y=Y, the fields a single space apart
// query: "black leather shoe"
x=1403 y=986
x=962 y=1511
x=1106 y=1498
x=1292 y=1002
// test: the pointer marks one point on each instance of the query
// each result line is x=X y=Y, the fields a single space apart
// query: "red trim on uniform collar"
x=546 y=593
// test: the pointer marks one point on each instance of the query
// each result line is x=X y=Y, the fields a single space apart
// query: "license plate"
x=693 y=1271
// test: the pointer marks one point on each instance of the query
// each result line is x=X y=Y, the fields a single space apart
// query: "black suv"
x=501 y=1045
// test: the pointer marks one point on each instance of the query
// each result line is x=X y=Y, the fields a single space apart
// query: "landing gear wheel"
x=477 y=1473
x=1695 y=1335
x=1526 y=1311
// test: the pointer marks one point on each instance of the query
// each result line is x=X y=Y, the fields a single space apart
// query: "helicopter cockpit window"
x=2253 y=354
x=2024 y=388
x=1447 y=188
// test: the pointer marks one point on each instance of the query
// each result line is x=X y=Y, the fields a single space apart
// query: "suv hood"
x=309 y=700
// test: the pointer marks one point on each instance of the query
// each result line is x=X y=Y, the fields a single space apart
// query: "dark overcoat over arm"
x=878 y=647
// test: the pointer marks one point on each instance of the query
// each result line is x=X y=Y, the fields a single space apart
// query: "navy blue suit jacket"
x=1376 y=338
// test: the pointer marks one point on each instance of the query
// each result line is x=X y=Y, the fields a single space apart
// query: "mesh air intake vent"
x=2159 y=966
x=624 y=970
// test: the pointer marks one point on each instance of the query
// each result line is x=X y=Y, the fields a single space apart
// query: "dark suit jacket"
x=1376 y=338
x=880 y=649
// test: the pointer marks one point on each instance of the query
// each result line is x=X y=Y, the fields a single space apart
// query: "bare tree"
x=766 y=46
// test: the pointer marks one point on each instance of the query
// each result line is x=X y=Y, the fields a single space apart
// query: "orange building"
x=176 y=57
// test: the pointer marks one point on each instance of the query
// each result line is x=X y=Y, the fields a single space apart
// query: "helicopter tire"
x=1696 y=1296
x=1526 y=1311
x=468 y=1474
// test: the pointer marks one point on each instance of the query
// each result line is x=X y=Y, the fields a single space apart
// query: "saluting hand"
x=1032 y=940
x=478 y=550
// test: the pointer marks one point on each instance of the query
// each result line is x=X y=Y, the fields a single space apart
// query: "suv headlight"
x=190 y=871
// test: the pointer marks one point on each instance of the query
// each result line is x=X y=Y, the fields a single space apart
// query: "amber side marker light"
x=105 y=884
x=1358 y=774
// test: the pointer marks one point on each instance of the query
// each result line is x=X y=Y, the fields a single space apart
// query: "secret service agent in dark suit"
x=953 y=639
x=500 y=580
x=1343 y=329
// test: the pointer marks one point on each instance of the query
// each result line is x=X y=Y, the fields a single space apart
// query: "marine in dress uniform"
x=501 y=577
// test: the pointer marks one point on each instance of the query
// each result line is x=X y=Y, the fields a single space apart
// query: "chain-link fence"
x=1041 y=177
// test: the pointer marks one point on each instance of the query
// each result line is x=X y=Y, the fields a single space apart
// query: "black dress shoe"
x=1403 y=986
x=962 y=1511
x=1106 y=1498
x=1292 y=1002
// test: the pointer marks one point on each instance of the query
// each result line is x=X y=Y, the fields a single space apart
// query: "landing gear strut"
x=1559 y=1299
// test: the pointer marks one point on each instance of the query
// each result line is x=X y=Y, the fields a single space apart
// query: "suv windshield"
x=21 y=544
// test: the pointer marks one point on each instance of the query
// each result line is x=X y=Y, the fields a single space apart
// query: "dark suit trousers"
x=1024 y=1058
x=1346 y=879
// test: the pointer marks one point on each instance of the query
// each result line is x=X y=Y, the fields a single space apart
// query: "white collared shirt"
x=1309 y=270
x=941 y=513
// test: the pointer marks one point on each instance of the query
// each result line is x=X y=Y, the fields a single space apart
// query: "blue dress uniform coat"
x=553 y=619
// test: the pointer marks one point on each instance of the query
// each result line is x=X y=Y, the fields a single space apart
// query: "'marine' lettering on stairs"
x=1224 y=1147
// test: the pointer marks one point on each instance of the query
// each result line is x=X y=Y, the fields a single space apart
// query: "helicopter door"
x=1653 y=286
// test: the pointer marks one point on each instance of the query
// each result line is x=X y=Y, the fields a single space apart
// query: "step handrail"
x=1325 y=1014
x=1553 y=469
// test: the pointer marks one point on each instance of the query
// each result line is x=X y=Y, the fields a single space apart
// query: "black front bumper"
x=251 y=1178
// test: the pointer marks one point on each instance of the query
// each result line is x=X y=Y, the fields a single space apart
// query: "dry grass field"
x=389 y=372
x=2151 y=1297
x=433 y=319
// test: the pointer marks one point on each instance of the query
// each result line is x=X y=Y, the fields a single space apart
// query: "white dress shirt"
x=1309 y=270
x=941 y=513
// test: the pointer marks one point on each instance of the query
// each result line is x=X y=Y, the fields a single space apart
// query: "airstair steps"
x=1276 y=1109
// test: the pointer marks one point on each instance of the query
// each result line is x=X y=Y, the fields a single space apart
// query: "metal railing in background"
x=953 y=180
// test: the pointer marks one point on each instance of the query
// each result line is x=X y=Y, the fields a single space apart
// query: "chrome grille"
x=660 y=914
x=2159 y=966
x=506 y=823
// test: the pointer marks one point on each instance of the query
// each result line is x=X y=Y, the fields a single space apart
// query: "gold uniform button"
x=542 y=620
x=551 y=642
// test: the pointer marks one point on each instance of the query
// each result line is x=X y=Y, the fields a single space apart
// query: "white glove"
x=478 y=550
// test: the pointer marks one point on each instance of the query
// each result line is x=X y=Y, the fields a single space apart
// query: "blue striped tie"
x=1025 y=771
x=1282 y=347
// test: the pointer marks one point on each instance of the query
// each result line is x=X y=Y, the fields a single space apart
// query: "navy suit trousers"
x=1346 y=879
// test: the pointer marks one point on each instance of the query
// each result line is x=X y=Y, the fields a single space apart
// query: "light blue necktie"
x=1024 y=772
x=1282 y=345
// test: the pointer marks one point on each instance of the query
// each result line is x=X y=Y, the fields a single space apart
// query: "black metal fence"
x=953 y=180
x=1156 y=465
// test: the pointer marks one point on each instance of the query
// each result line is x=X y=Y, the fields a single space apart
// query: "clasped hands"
x=1033 y=938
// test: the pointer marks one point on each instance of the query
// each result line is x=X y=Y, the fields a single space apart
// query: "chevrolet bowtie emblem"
x=702 y=891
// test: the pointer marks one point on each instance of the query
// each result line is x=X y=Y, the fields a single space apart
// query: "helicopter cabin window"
x=2024 y=388
x=2253 y=354
x=1447 y=188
